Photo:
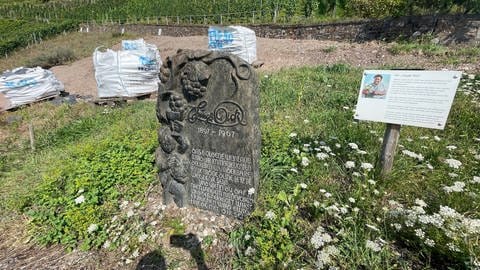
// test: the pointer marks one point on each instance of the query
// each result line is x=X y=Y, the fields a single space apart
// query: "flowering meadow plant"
x=425 y=213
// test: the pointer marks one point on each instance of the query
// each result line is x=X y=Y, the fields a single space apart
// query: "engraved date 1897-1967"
x=225 y=114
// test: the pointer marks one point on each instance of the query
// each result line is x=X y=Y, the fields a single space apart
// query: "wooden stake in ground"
x=390 y=141
x=32 y=137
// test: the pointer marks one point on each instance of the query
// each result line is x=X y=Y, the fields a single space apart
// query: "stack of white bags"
x=132 y=71
x=26 y=85
x=237 y=40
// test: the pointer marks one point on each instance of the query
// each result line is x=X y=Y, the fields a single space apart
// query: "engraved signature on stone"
x=226 y=114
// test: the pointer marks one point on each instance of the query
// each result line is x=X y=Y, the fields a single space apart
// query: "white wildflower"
x=452 y=175
x=451 y=147
x=305 y=161
x=92 y=228
x=332 y=208
x=349 y=164
x=343 y=210
x=472 y=226
x=457 y=187
x=322 y=190
x=80 y=199
x=327 y=195
x=306 y=147
x=142 y=237
x=251 y=191
x=420 y=203
x=337 y=145
x=356 y=174
x=294 y=170
x=448 y=212
x=249 y=251
x=80 y=191
x=429 y=242
x=361 y=152
x=292 y=135
x=107 y=244
x=366 y=166
x=124 y=204
x=476 y=180
x=397 y=226
x=453 y=163
x=247 y=237
x=320 y=238
x=436 y=138
x=417 y=210
x=130 y=213
x=371 y=182
x=326 y=148
x=356 y=209
x=270 y=215
x=424 y=137
x=354 y=146
x=303 y=185
x=413 y=155
x=306 y=121
x=352 y=200
x=322 y=156
x=429 y=166
x=435 y=219
x=296 y=151
x=324 y=257
x=453 y=247
x=316 y=203
x=420 y=233
x=373 y=246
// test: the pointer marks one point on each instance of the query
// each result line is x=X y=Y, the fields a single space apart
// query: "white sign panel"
x=407 y=97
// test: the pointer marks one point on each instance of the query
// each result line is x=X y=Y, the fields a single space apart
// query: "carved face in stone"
x=194 y=79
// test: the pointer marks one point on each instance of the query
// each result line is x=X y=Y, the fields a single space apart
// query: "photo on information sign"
x=375 y=85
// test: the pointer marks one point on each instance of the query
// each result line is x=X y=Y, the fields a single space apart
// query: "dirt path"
x=276 y=54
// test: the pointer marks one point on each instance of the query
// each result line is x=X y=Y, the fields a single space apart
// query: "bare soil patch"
x=79 y=77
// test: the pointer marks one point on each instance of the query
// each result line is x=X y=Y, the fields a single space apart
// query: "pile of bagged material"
x=26 y=85
x=132 y=71
x=237 y=40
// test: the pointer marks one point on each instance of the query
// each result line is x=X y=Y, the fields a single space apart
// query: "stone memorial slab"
x=210 y=138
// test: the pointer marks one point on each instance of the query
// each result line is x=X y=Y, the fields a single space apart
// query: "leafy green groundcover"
x=78 y=198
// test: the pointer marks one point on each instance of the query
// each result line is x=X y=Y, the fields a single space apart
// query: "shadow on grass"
x=190 y=242
x=152 y=261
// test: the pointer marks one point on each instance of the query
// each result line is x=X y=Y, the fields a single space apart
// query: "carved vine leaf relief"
x=186 y=82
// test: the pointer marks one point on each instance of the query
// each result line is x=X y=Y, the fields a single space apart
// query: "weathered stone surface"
x=210 y=138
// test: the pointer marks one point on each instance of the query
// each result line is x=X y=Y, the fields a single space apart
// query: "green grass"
x=304 y=111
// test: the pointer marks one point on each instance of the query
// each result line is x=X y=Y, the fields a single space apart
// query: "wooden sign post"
x=390 y=141
x=405 y=97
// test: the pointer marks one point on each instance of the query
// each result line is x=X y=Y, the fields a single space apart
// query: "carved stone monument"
x=210 y=138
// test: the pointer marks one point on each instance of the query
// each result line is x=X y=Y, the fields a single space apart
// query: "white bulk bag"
x=26 y=85
x=237 y=40
x=127 y=73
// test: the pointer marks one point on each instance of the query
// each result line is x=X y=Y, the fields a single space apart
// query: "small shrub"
x=58 y=56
